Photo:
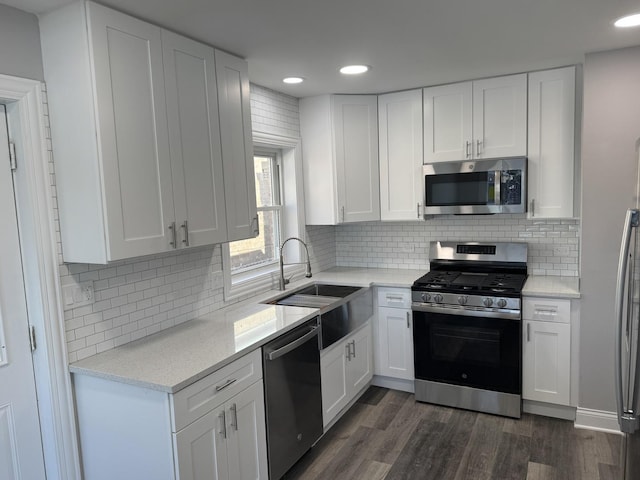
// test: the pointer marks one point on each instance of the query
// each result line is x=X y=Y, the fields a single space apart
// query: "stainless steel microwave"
x=476 y=187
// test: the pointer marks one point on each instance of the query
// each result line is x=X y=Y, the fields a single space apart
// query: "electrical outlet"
x=77 y=295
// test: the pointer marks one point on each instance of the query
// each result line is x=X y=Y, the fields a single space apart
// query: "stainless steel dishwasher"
x=293 y=396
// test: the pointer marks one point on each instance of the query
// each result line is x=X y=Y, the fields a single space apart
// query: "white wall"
x=609 y=172
x=20 y=53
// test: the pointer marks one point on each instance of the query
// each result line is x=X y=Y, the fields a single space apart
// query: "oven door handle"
x=467 y=312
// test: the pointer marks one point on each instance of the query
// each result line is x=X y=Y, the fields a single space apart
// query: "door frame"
x=28 y=126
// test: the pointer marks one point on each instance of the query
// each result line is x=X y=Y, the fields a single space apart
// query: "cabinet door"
x=194 y=140
x=447 y=123
x=360 y=365
x=333 y=370
x=247 y=437
x=237 y=146
x=500 y=117
x=551 y=143
x=395 y=343
x=546 y=362
x=355 y=124
x=400 y=137
x=132 y=130
x=201 y=448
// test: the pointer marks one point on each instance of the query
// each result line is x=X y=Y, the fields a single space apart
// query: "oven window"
x=465 y=344
x=477 y=352
x=451 y=189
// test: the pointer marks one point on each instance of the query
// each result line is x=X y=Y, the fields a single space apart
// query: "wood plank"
x=482 y=446
x=373 y=471
x=512 y=457
x=519 y=426
x=373 y=395
x=609 y=472
x=539 y=471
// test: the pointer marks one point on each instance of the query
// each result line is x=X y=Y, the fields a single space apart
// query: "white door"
x=333 y=370
x=360 y=366
x=247 y=438
x=448 y=132
x=194 y=140
x=396 y=343
x=500 y=117
x=232 y=74
x=201 y=448
x=400 y=136
x=355 y=121
x=546 y=373
x=20 y=443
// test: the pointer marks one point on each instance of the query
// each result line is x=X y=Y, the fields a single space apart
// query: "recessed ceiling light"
x=293 y=80
x=628 y=21
x=354 y=69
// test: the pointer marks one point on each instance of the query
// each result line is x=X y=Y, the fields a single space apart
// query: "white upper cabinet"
x=109 y=131
x=473 y=120
x=194 y=140
x=136 y=133
x=551 y=143
x=237 y=146
x=340 y=158
x=400 y=149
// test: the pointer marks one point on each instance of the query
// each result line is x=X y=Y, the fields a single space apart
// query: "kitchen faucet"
x=283 y=281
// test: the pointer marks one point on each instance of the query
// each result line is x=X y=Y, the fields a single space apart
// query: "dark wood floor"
x=387 y=435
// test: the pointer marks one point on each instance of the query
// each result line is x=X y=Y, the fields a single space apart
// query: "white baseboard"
x=549 y=410
x=393 y=383
x=600 y=420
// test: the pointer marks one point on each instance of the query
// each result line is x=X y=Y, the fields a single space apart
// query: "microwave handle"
x=496 y=187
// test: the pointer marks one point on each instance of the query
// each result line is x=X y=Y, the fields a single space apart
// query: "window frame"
x=241 y=285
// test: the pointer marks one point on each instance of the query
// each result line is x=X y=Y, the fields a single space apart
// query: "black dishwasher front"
x=293 y=396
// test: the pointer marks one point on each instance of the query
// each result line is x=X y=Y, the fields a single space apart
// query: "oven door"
x=469 y=348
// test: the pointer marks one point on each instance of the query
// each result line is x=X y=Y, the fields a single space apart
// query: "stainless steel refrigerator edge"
x=627 y=373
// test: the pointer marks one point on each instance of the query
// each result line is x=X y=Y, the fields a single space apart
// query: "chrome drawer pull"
x=234 y=417
x=223 y=424
x=225 y=384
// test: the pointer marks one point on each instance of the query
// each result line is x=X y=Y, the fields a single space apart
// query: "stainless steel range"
x=467 y=329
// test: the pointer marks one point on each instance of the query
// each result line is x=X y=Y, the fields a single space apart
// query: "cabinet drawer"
x=547 y=309
x=203 y=396
x=394 y=297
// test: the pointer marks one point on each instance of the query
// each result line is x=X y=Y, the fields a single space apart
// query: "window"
x=252 y=265
x=262 y=250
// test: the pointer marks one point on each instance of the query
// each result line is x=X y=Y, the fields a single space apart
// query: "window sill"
x=253 y=282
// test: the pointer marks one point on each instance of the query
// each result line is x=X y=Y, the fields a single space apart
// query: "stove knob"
x=438 y=298
x=462 y=299
x=426 y=297
x=487 y=302
x=502 y=303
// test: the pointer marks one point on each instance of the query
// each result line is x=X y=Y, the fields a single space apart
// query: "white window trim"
x=266 y=277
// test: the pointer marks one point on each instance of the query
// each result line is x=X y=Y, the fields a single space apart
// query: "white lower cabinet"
x=212 y=429
x=224 y=443
x=394 y=342
x=346 y=368
x=546 y=371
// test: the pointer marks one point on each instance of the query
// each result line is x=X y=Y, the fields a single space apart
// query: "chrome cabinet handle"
x=223 y=424
x=418 y=210
x=408 y=324
x=466 y=148
x=172 y=228
x=533 y=207
x=219 y=388
x=342 y=208
x=348 y=347
x=234 y=417
x=478 y=145
x=185 y=240
x=256 y=230
x=528 y=332
x=353 y=344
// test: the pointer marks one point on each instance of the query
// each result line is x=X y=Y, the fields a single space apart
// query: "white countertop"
x=553 y=287
x=179 y=356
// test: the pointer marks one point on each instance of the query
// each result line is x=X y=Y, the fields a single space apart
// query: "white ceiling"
x=409 y=43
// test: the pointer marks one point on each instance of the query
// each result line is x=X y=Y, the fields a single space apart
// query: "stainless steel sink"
x=343 y=308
